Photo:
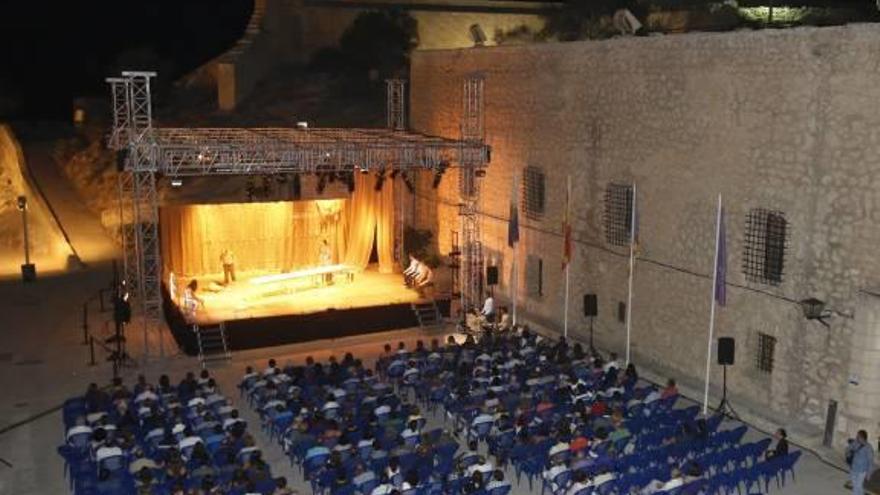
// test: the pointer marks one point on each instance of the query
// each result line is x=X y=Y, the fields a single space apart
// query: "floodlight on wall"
x=626 y=22
x=302 y=125
x=814 y=309
x=478 y=36
x=176 y=182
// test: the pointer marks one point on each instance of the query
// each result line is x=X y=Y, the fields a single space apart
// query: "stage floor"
x=242 y=300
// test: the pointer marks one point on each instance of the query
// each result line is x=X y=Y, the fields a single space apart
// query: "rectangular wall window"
x=764 y=245
x=766 y=350
x=618 y=214
x=535 y=276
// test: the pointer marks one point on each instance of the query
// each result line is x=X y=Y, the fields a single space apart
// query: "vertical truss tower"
x=472 y=131
x=133 y=138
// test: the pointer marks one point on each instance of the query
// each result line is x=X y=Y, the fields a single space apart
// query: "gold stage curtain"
x=278 y=236
x=371 y=218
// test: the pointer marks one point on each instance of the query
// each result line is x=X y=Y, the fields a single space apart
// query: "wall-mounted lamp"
x=814 y=309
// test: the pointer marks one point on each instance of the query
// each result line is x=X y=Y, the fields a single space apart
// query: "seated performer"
x=191 y=301
x=426 y=278
x=411 y=271
x=227 y=259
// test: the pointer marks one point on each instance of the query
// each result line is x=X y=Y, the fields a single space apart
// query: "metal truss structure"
x=471 y=278
x=146 y=152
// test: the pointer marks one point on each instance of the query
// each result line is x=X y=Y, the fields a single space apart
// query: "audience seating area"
x=161 y=439
x=542 y=412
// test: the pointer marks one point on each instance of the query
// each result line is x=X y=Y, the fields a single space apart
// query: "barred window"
x=618 y=214
x=766 y=349
x=766 y=239
x=533 y=193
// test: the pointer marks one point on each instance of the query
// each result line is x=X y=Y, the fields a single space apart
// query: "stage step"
x=212 y=343
x=427 y=314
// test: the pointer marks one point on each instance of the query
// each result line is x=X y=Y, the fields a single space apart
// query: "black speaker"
x=726 y=350
x=591 y=305
x=491 y=275
x=121 y=310
x=28 y=272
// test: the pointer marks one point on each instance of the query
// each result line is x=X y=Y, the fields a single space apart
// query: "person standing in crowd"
x=227 y=259
x=860 y=457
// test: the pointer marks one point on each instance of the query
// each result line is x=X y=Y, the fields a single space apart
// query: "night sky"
x=53 y=52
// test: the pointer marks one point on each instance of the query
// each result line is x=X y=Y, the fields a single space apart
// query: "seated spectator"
x=497 y=480
x=781 y=447
x=671 y=389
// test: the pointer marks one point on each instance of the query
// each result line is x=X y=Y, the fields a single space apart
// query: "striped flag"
x=721 y=261
x=566 y=227
x=513 y=221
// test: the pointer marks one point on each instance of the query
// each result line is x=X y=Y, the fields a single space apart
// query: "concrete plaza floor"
x=43 y=362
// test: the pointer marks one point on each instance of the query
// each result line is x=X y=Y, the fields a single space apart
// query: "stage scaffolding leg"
x=151 y=263
x=469 y=191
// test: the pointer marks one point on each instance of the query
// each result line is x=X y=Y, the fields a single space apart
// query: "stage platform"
x=263 y=315
x=246 y=300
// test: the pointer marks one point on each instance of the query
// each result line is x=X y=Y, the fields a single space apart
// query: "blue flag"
x=721 y=262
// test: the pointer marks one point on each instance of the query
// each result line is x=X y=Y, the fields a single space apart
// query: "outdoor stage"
x=246 y=300
x=292 y=311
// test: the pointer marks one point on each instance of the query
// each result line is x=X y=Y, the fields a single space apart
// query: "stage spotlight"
x=176 y=182
x=302 y=125
x=364 y=169
x=480 y=173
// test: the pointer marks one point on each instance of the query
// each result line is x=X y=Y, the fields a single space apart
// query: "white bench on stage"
x=314 y=272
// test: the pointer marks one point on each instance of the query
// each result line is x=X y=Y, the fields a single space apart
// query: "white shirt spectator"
x=78 y=430
x=488 y=306
x=188 y=442
x=383 y=489
x=382 y=410
x=230 y=422
x=558 y=449
x=486 y=468
x=146 y=394
x=611 y=364
x=107 y=452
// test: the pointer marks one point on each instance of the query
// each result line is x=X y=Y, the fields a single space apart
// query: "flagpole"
x=629 y=297
x=712 y=309
x=568 y=262
x=514 y=282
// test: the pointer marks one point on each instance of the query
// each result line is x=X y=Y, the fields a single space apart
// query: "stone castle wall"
x=780 y=119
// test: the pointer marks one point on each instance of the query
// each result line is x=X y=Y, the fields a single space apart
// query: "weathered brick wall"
x=777 y=119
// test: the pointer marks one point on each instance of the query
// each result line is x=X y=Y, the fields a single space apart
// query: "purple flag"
x=721 y=262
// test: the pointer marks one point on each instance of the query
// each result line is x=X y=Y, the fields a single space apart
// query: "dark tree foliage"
x=587 y=19
x=378 y=41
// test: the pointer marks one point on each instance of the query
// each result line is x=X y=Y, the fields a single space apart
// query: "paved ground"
x=43 y=362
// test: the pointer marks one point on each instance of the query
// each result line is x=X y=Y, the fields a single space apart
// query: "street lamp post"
x=28 y=269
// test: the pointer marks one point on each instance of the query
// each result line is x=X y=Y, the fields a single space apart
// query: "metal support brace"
x=469 y=191
x=396 y=104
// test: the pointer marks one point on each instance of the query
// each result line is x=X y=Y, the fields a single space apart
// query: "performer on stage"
x=172 y=286
x=424 y=276
x=410 y=273
x=191 y=301
x=227 y=259
x=325 y=258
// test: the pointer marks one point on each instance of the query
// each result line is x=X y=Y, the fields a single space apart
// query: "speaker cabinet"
x=591 y=305
x=491 y=275
x=726 y=350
